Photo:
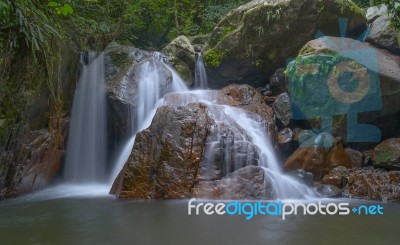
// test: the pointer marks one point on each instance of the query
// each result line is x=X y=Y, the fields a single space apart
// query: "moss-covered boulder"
x=181 y=56
x=352 y=84
x=252 y=41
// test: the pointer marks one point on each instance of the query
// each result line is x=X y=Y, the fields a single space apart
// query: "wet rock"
x=382 y=33
x=277 y=82
x=337 y=177
x=315 y=97
x=305 y=177
x=286 y=142
x=356 y=158
x=328 y=191
x=318 y=155
x=371 y=184
x=246 y=183
x=387 y=154
x=181 y=55
x=283 y=109
x=251 y=41
x=239 y=95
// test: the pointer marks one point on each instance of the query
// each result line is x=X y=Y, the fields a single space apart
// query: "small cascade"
x=200 y=78
x=86 y=148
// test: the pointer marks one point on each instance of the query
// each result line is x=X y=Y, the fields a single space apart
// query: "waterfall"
x=200 y=78
x=86 y=149
x=149 y=99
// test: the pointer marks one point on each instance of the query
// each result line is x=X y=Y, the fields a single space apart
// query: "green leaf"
x=52 y=4
x=67 y=8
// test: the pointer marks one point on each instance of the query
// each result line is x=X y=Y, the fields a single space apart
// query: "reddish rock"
x=356 y=158
x=316 y=157
x=387 y=154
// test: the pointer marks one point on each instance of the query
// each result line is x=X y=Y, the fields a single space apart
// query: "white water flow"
x=149 y=99
x=200 y=78
x=285 y=187
x=86 y=149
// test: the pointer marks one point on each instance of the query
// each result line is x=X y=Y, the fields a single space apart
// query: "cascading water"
x=149 y=99
x=200 y=79
x=86 y=149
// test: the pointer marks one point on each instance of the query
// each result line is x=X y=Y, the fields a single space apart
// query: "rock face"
x=258 y=37
x=382 y=33
x=123 y=67
x=387 y=154
x=194 y=149
x=375 y=100
x=371 y=184
x=318 y=155
x=181 y=55
x=36 y=164
x=283 y=109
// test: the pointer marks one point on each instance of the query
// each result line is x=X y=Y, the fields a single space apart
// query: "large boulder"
x=191 y=147
x=353 y=84
x=318 y=154
x=253 y=40
x=181 y=55
x=382 y=32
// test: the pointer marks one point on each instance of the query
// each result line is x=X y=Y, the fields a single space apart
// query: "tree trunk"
x=176 y=18
x=371 y=3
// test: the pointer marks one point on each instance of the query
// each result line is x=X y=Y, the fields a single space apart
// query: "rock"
x=166 y=157
x=387 y=154
x=286 y=142
x=382 y=33
x=328 y=191
x=356 y=158
x=253 y=40
x=122 y=96
x=277 y=82
x=376 y=102
x=246 y=183
x=191 y=147
x=181 y=55
x=305 y=177
x=370 y=184
x=337 y=177
x=36 y=163
x=283 y=109
x=318 y=155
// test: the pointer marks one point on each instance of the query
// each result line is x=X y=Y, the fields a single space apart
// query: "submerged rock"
x=253 y=40
x=328 y=191
x=370 y=184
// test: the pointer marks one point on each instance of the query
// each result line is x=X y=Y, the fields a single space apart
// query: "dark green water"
x=108 y=221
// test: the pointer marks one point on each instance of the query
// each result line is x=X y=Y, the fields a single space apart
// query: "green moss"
x=350 y=5
x=212 y=59
x=227 y=30
x=259 y=63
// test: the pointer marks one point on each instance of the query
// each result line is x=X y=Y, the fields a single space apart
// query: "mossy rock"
x=272 y=32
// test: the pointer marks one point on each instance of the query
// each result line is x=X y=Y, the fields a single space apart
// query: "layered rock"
x=258 y=37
